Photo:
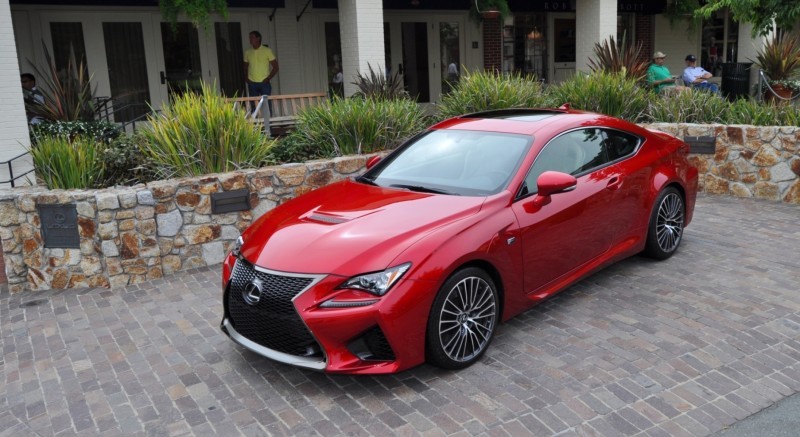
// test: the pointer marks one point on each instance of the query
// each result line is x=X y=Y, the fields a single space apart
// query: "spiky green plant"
x=68 y=94
x=201 y=133
x=780 y=57
x=64 y=163
x=749 y=111
x=612 y=94
x=689 y=106
x=354 y=126
x=619 y=57
x=487 y=90
x=379 y=86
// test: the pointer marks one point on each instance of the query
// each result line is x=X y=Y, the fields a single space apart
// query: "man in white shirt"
x=697 y=77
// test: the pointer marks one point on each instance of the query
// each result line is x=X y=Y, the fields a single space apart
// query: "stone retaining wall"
x=750 y=161
x=132 y=234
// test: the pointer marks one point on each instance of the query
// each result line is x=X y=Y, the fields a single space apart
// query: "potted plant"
x=779 y=59
x=489 y=10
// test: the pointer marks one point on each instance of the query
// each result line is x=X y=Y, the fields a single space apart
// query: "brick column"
x=361 y=27
x=492 y=45
x=595 y=20
x=645 y=33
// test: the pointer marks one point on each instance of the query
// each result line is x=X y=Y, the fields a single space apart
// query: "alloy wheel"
x=669 y=223
x=467 y=319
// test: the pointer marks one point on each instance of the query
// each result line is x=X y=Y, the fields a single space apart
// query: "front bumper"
x=383 y=337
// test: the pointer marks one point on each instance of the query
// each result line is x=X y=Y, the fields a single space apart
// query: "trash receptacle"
x=736 y=79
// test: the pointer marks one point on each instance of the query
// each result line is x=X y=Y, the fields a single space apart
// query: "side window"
x=572 y=153
x=619 y=144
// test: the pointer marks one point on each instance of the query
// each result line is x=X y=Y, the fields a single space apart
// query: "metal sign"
x=230 y=201
x=59 y=226
x=706 y=145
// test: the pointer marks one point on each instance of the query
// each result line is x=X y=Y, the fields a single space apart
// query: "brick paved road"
x=682 y=347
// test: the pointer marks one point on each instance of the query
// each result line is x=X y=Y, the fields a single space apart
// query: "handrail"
x=11 y=170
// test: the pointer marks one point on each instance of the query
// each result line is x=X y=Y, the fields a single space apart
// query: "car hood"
x=349 y=228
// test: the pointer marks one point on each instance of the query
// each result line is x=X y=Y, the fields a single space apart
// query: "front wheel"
x=665 y=231
x=463 y=319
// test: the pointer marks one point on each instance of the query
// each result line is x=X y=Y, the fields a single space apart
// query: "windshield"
x=457 y=162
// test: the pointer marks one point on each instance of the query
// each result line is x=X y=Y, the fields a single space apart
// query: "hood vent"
x=334 y=220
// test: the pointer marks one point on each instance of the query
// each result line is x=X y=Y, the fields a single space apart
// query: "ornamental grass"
x=64 y=163
x=200 y=134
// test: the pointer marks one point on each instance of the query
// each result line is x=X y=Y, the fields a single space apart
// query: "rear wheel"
x=665 y=231
x=463 y=319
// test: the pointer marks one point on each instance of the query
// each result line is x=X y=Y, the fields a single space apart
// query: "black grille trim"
x=272 y=322
x=372 y=346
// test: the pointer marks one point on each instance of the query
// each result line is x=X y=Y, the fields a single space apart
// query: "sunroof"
x=516 y=114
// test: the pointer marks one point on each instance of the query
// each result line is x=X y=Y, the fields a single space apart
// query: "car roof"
x=530 y=121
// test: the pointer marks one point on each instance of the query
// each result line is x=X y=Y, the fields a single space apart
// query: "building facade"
x=140 y=61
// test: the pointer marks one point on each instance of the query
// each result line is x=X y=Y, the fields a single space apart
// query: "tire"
x=665 y=230
x=463 y=319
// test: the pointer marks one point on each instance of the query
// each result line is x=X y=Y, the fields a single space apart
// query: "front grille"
x=273 y=321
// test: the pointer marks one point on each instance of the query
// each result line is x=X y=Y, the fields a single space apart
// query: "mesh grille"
x=273 y=321
x=378 y=345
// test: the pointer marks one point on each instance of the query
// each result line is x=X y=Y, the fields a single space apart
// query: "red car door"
x=573 y=227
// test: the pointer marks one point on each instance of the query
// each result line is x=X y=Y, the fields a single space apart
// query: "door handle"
x=400 y=69
x=614 y=183
x=163 y=77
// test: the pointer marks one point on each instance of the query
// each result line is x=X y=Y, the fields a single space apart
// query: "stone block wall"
x=750 y=161
x=133 y=234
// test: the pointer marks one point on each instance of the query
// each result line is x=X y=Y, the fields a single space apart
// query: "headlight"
x=237 y=247
x=377 y=283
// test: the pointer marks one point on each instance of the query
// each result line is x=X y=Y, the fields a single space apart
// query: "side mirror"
x=553 y=182
x=550 y=182
x=372 y=161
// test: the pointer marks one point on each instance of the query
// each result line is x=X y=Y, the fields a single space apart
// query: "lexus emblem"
x=252 y=292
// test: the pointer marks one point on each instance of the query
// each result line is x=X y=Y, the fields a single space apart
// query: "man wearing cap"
x=696 y=77
x=658 y=75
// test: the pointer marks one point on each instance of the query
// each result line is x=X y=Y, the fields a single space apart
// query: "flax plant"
x=64 y=163
x=355 y=126
x=748 y=111
x=607 y=93
x=201 y=133
x=486 y=90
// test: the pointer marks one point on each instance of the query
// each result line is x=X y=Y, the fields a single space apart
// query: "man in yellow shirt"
x=260 y=66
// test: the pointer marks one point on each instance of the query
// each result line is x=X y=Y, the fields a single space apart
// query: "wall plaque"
x=59 y=226
x=703 y=144
x=230 y=201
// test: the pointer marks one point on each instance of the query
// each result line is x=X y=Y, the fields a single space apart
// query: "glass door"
x=127 y=69
x=563 y=48
x=414 y=68
x=182 y=70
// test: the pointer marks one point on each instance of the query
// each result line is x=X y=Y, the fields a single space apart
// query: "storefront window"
x=333 y=53
x=625 y=28
x=68 y=38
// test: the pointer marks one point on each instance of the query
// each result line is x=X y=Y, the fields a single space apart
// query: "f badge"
x=252 y=292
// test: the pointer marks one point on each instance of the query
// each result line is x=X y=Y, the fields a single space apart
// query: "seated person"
x=659 y=77
x=697 y=77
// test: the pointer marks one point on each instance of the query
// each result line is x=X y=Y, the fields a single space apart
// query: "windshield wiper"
x=366 y=180
x=424 y=189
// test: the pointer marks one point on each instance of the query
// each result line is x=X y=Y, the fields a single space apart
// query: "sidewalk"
x=684 y=347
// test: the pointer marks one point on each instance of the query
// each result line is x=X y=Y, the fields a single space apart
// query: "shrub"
x=748 y=111
x=64 y=163
x=689 y=106
x=353 y=126
x=483 y=91
x=124 y=162
x=100 y=130
x=379 y=86
x=201 y=133
x=607 y=93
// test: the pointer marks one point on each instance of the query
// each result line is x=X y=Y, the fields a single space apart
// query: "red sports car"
x=463 y=226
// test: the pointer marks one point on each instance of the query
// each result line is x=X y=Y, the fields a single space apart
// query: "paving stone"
x=680 y=347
